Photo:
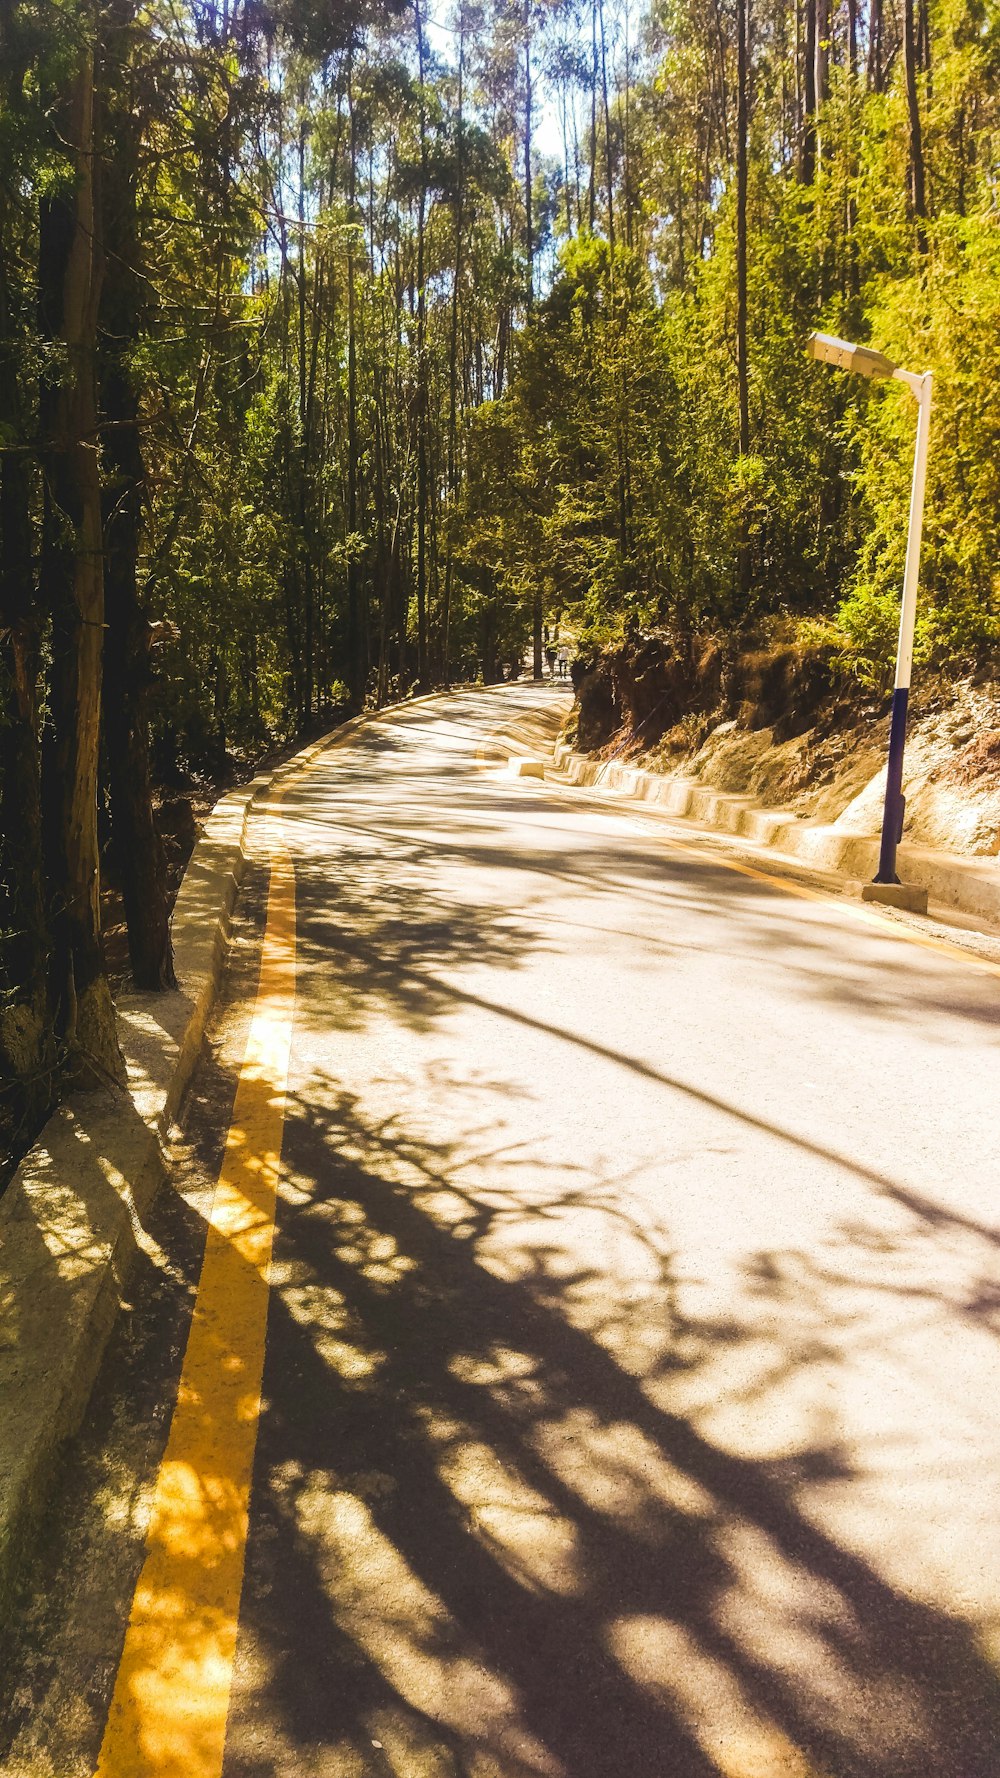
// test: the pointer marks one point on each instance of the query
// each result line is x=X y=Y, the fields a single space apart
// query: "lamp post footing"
x=908 y=896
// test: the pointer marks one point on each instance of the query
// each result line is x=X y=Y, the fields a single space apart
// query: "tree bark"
x=356 y=650
x=592 y=190
x=742 y=364
x=874 y=69
x=807 y=165
x=529 y=230
x=821 y=50
x=918 y=195
x=453 y=367
x=608 y=157
x=73 y=587
x=421 y=373
x=27 y=1037
x=139 y=857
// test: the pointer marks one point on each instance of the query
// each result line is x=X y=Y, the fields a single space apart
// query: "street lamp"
x=866 y=362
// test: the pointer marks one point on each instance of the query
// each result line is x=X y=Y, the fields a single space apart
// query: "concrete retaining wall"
x=970 y=885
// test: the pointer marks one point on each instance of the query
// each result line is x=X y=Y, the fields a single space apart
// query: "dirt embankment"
x=785 y=725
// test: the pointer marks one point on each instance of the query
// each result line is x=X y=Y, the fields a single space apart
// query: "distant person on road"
x=563 y=658
x=550 y=656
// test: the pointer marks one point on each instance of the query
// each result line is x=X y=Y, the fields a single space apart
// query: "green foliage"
x=625 y=399
x=369 y=457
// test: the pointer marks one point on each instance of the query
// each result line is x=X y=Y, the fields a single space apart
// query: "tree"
x=70 y=269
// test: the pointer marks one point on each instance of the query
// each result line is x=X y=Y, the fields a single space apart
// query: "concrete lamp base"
x=908 y=896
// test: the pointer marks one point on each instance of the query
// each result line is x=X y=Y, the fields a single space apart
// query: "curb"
x=71 y=1218
x=971 y=886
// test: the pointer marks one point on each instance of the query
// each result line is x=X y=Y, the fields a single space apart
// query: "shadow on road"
x=484 y=1542
x=493 y=1533
x=462 y=1497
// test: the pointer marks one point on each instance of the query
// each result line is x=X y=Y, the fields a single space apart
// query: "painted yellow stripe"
x=171 y=1698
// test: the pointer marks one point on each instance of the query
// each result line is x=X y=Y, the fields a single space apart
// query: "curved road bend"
x=629 y=1403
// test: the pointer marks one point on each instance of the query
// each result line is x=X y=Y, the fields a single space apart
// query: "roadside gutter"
x=71 y=1219
x=969 y=885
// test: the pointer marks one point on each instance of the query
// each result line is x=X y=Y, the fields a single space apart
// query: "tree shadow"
x=480 y=1542
x=473 y=1495
x=400 y=824
x=496 y=1532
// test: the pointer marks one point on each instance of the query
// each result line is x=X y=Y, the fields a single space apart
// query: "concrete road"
x=629 y=1398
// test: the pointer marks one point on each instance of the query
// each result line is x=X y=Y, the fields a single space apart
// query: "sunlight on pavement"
x=171 y=1699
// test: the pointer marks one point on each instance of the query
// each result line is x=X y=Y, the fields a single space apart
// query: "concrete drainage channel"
x=967 y=885
x=71 y=1218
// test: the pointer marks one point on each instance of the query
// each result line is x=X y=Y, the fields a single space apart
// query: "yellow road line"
x=171 y=1698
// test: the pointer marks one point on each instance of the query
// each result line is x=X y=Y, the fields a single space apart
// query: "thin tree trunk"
x=421 y=371
x=139 y=854
x=608 y=159
x=305 y=539
x=918 y=196
x=627 y=136
x=821 y=50
x=27 y=1037
x=807 y=165
x=592 y=193
x=797 y=116
x=356 y=651
x=73 y=581
x=874 y=72
x=742 y=367
x=564 y=131
x=453 y=367
x=529 y=234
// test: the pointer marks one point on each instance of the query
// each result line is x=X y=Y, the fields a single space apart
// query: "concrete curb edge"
x=969 y=885
x=71 y=1218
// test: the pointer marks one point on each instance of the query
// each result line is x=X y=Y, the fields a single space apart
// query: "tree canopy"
x=342 y=347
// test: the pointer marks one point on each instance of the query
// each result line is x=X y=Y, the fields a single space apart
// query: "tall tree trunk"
x=627 y=139
x=821 y=50
x=305 y=538
x=874 y=70
x=421 y=371
x=139 y=855
x=356 y=639
x=73 y=585
x=536 y=609
x=27 y=1038
x=564 y=131
x=592 y=191
x=918 y=197
x=807 y=163
x=529 y=232
x=454 y=355
x=608 y=157
x=742 y=366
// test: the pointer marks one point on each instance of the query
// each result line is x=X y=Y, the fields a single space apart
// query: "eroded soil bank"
x=786 y=725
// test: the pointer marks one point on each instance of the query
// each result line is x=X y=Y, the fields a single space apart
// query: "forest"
x=344 y=346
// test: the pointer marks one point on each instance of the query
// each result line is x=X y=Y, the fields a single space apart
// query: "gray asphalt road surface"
x=630 y=1398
